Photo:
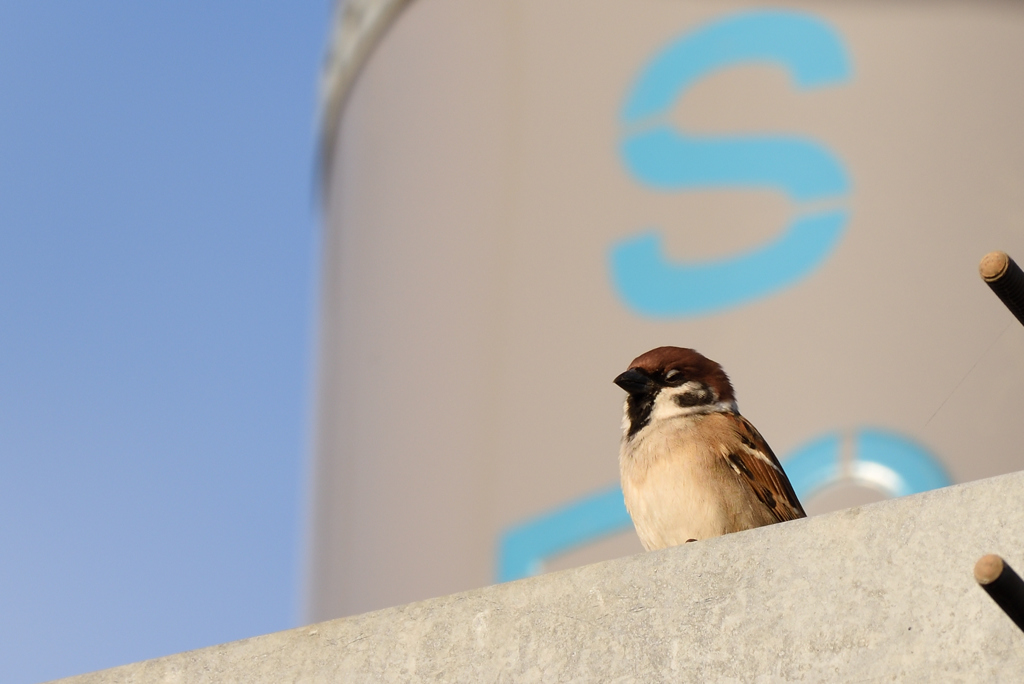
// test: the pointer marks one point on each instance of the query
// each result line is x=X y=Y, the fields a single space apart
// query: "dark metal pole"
x=1004 y=585
x=1006 y=279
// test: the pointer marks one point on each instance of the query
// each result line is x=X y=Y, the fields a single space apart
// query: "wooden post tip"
x=988 y=569
x=993 y=266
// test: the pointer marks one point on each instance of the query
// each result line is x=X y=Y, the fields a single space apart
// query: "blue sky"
x=158 y=282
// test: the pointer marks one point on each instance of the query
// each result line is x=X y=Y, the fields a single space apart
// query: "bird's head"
x=669 y=382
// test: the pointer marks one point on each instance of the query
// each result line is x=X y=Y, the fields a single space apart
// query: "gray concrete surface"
x=879 y=593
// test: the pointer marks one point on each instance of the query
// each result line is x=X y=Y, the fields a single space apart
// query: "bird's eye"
x=674 y=376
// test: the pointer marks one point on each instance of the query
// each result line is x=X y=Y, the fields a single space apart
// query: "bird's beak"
x=635 y=381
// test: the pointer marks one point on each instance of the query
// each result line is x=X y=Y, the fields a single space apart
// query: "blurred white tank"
x=522 y=195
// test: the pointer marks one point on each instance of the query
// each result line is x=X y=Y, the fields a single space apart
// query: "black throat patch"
x=638 y=408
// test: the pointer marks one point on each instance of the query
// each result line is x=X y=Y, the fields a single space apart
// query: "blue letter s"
x=662 y=157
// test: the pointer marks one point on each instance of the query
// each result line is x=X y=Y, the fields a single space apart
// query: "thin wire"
x=983 y=355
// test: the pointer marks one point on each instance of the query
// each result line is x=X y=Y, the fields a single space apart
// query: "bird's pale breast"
x=678 y=486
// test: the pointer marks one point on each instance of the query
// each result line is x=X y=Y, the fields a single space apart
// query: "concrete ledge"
x=879 y=593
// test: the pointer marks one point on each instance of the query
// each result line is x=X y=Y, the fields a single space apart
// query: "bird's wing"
x=756 y=463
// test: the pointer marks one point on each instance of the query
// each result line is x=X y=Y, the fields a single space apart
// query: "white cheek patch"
x=685 y=388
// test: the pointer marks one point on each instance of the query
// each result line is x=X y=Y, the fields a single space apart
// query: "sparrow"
x=692 y=467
